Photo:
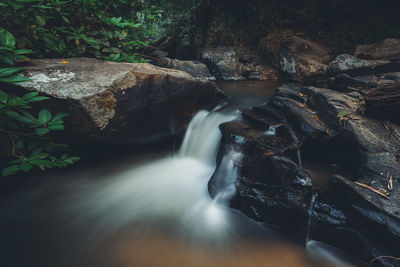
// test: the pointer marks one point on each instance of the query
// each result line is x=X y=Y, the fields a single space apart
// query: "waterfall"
x=299 y=158
x=310 y=211
x=203 y=136
x=171 y=189
x=225 y=177
x=272 y=130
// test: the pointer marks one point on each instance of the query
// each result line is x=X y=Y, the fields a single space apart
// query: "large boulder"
x=354 y=66
x=194 y=68
x=383 y=100
x=233 y=64
x=349 y=213
x=347 y=62
x=120 y=102
x=388 y=49
x=300 y=58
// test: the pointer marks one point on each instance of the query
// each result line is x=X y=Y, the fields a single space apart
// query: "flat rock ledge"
x=132 y=103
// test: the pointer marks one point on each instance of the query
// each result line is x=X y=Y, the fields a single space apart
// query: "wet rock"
x=121 y=102
x=223 y=63
x=347 y=62
x=345 y=82
x=270 y=186
x=194 y=68
x=227 y=63
x=261 y=73
x=300 y=58
x=354 y=66
x=388 y=49
x=383 y=101
x=357 y=220
x=345 y=213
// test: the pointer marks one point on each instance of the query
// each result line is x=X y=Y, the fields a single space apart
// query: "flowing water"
x=151 y=209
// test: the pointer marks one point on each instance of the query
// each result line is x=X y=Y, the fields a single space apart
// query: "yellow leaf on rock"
x=64 y=61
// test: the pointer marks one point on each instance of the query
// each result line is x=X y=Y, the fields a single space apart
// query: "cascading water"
x=272 y=130
x=310 y=211
x=152 y=213
x=203 y=136
x=225 y=176
x=299 y=158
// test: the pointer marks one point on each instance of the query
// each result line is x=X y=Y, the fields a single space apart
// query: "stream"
x=150 y=208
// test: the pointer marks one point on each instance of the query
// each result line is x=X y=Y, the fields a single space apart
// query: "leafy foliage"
x=113 y=30
x=30 y=136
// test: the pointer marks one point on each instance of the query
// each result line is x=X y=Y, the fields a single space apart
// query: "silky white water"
x=170 y=189
x=154 y=213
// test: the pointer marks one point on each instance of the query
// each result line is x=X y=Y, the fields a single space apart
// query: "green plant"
x=113 y=30
x=30 y=137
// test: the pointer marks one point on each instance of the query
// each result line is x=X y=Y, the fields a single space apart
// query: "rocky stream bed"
x=342 y=112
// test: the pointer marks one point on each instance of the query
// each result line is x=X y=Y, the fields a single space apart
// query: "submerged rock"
x=120 y=102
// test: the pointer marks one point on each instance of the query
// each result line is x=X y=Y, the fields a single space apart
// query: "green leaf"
x=3 y=97
x=342 y=114
x=42 y=131
x=23 y=51
x=59 y=117
x=7 y=39
x=57 y=127
x=38 y=98
x=30 y=95
x=45 y=115
x=14 y=79
x=11 y=170
x=40 y=20
x=26 y=167
x=4 y=72
x=7 y=60
x=41 y=163
x=25 y=119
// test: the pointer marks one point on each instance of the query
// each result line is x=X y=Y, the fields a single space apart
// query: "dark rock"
x=194 y=68
x=223 y=63
x=347 y=62
x=121 y=102
x=388 y=49
x=383 y=101
x=270 y=186
x=300 y=58
x=357 y=220
x=358 y=67
x=227 y=63
x=345 y=82
x=347 y=215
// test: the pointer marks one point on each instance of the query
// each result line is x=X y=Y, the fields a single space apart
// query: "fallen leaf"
x=380 y=192
x=390 y=183
x=64 y=61
x=302 y=95
x=269 y=153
